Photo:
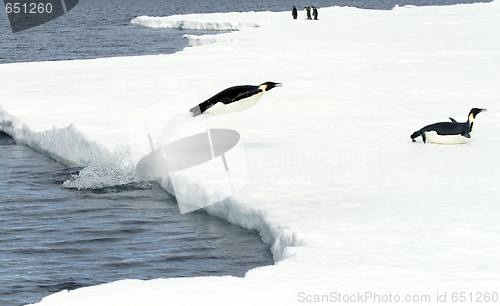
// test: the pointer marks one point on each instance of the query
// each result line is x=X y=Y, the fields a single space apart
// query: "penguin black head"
x=270 y=85
x=473 y=112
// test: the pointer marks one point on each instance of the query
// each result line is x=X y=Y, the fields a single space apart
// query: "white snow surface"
x=346 y=201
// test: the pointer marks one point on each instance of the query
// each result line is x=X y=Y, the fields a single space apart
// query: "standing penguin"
x=294 y=12
x=449 y=132
x=315 y=13
x=307 y=11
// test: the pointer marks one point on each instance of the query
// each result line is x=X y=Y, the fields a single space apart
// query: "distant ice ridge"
x=168 y=23
x=397 y=7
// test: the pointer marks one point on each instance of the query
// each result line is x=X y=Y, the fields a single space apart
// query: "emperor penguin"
x=315 y=13
x=233 y=99
x=307 y=11
x=294 y=12
x=449 y=132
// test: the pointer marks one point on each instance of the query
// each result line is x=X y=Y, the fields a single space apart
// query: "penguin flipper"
x=453 y=120
x=466 y=135
x=246 y=94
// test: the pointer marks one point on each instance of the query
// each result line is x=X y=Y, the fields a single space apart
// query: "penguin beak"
x=479 y=110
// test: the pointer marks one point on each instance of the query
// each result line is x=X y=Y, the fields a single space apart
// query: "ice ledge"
x=66 y=145
x=168 y=23
x=71 y=147
x=280 y=239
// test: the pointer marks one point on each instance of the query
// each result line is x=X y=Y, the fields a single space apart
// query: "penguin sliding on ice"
x=449 y=132
x=233 y=99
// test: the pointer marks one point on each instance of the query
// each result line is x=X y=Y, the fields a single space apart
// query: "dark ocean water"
x=52 y=238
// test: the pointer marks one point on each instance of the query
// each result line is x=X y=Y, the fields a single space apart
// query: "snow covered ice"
x=216 y=22
x=346 y=201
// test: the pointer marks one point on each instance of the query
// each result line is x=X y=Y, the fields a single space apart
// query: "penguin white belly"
x=238 y=106
x=434 y=137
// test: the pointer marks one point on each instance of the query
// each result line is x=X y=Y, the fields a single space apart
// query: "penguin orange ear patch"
x=24 y=14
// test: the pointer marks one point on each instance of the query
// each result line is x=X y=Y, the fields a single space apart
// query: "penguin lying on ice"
x=449 y=132
x=233 y=99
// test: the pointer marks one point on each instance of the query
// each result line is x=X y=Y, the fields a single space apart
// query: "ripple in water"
x=54 y=239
